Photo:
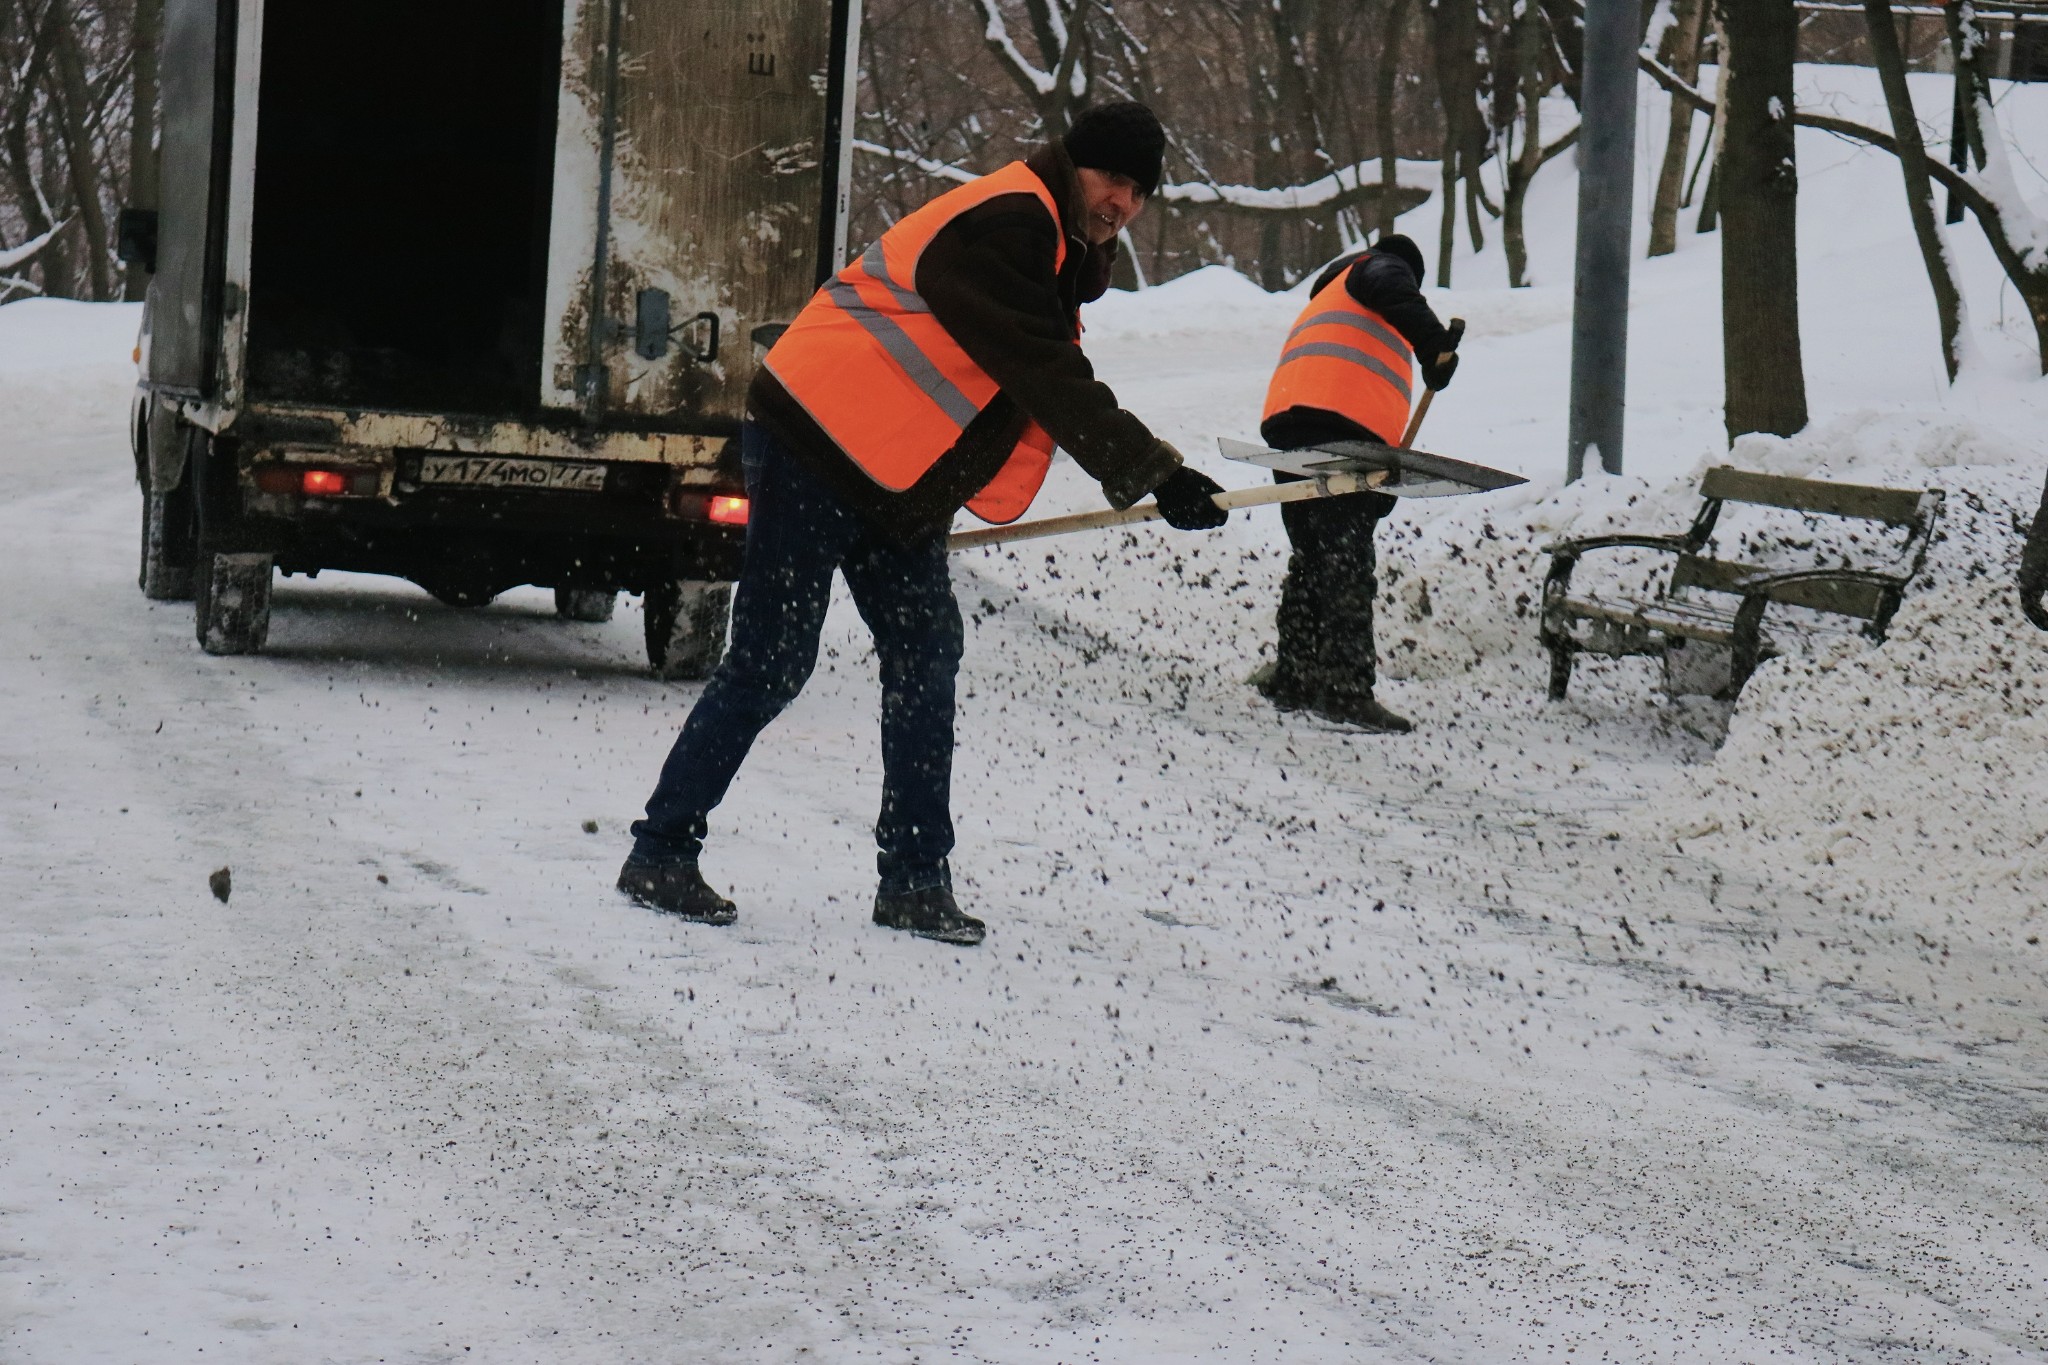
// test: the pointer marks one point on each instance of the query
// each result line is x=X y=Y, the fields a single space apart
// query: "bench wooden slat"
x=1692 y=620
x=1894 y=506
x=1861 y=600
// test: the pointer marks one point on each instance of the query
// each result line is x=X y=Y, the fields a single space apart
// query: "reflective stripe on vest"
x=879 y=374
x=1344 y=358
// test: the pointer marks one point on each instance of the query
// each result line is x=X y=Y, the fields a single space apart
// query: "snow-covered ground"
x=1547 y=1032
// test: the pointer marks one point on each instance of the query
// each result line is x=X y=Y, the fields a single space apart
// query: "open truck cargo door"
x=185 y=289
x=700 y=187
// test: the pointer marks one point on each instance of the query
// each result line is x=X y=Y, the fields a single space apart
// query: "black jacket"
x=988 y=278
x=1382 y=282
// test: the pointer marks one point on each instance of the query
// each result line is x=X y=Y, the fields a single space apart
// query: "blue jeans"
x=798 y=533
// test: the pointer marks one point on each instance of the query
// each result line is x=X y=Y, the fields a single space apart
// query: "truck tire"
x=232 y=597
x=686 y=628
x=585 y=604
x=168 y=534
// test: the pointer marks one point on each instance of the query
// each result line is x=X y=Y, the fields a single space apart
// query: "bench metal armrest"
x=1763 y=583
x=1760 y=590
x=1564 y=558
x=1672 y=544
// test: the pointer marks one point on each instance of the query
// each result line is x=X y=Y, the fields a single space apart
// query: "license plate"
x=491 y=471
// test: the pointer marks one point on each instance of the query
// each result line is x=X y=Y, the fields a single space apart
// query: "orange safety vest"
x=873 y=368
x=1344 y=358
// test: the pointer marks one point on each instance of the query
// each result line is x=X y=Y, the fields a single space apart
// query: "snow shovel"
x=1330 y=471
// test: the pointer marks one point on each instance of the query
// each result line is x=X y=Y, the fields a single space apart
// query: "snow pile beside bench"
x=1913 y=775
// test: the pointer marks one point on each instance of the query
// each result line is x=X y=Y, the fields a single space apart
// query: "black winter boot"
x=929 y=913
x=676 y=889
x=1358 y=709
x=1281 y=687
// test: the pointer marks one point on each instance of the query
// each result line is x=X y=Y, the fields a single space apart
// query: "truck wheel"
x=167 y=548
x=233 y=602
x=686 y=626
x=585 y=604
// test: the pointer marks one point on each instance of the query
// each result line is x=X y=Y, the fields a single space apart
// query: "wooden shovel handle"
x=1422 y=408
x=1321 y=486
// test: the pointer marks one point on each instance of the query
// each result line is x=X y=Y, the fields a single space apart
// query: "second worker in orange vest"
x=936 y=371
x=1347 y=372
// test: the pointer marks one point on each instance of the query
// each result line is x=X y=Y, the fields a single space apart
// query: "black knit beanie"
x=1124 y=138
x=1401 y=248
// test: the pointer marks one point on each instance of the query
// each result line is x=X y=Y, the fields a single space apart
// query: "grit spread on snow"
x=1628 y=1028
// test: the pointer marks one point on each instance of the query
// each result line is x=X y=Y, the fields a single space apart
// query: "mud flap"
x=232 y=602
x=686 y=628
x=167 y=544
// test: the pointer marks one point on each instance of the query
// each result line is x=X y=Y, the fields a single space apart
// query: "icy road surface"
x=1287 y=1044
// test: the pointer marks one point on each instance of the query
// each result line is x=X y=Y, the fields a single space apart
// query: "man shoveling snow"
x=935 y=372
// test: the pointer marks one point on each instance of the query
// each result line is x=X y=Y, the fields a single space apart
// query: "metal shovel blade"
x=1416 y=473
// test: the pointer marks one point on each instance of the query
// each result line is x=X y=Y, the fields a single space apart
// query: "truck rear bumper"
x=485 y=506
x=552 y=539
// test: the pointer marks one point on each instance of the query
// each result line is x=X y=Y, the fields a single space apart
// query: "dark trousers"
x=1325 y=618
x=798 y=533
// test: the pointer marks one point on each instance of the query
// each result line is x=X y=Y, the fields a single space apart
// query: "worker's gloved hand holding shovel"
x=1187 y=501
x=1438 y=369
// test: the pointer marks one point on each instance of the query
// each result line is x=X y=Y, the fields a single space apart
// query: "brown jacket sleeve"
x=989 y=280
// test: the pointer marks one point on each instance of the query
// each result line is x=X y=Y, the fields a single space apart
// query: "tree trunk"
x=1447 y=231
x=1759 y=192
x=1682 y=54
x=143 y=163
x=2023 y=265
x=1390 y=70
x=1322 y=241
x=20 y=115
x=58 y=265
x=1717 y=135
x=73 y=94
x=1522 y=170
x=1891 y=70
x=1456 y=34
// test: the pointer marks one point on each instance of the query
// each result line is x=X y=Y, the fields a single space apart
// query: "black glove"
x=1185 y=500
x=1438 y=369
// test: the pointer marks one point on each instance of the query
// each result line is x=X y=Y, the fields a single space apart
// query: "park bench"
x=1707 y=620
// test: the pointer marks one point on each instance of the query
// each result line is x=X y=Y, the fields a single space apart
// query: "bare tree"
x=1383 y=105
x=1274 y=162
x=1058 y=82
x=1535 y=74
x=1455 y=29
x=2013 y=231
x=65 y=120
x=1680 y=50
x=77 y=110
x=1891 y=70
x=1761 y=360
x=145 y=47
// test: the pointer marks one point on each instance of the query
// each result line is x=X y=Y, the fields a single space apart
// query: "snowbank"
x=1915 y=772
x=65 y=366
x=1912 y=777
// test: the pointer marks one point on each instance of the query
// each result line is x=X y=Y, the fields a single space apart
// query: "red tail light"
x=728 y=511
x=313 y=481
